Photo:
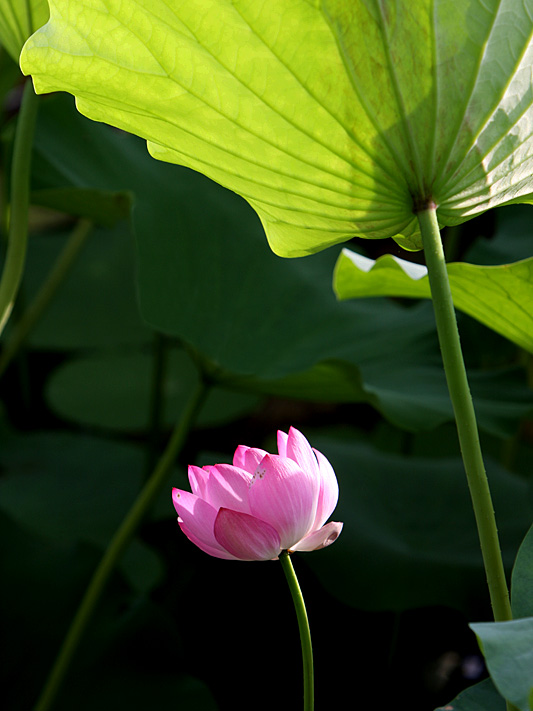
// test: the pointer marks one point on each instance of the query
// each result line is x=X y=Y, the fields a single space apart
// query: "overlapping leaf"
x=333 y=118
x=18 y=19
x=501 y=297
x=265 y=324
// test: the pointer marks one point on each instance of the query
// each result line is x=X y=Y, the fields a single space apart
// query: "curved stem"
x=305 y=633
x=20 y=202
x=45 y=294
x=465 y=417
x=116 y=547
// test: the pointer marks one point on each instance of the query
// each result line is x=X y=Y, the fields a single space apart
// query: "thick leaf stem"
x=464 y=413
x=305 y=633
x=116 y=548
x=19 y=203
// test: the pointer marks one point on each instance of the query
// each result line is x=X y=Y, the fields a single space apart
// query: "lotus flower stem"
x=19 y=204
x=305 y=633
x=117 y=546
x=464 y=413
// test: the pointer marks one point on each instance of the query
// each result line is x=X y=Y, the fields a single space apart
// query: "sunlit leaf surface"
x=333 y=118
x=501 y=297
x=18 y=19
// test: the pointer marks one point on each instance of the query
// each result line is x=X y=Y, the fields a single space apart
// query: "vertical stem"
x=464 y=413
x=305 y=633
x=115 y=549
x=46 y=293
x=20 y=202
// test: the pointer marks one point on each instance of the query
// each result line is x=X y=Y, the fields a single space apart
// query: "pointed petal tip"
x=322 y=538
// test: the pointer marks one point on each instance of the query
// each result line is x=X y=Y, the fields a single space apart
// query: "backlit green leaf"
x=501 y=297
x=18 y=19
x=333 y=118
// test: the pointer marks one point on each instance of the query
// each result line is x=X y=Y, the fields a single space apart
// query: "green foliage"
x=332 y=119
x=500 y=297
x=508 y=651
x=18 y=20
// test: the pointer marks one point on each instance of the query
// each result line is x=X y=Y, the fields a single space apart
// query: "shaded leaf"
x=508 y=651
x=96 y=305
x=68 y=487
x=332 y=118
x=104 y=208
x=261 y=323
x=480 y=697
x=409 y=536
x=501 y=297
x=113 y=391
x=522 y=580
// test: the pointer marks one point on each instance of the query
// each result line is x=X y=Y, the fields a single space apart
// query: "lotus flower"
x=263 y=503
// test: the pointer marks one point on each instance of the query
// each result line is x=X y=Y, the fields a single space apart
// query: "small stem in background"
x=117 y=546
x=465 y=417
x=20 y=202
x=157 y=388
x=305 y=633
x=53 y=281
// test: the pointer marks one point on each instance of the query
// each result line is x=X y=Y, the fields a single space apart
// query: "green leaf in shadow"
x=480 y=697
x=522 y=579
x=501 y=297
x=70 y=487
x=263 y=324
x=508 y=651
x=409 y=537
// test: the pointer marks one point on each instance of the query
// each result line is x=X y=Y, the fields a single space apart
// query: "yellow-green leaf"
x=333 y=118
x=18 y=20
x=501 y=297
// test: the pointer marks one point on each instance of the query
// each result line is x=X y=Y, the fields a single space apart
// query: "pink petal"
x=217 y=552
x=197 y=520
x=248 y=458
x=285 y=496
x=319 y=539
x=299 y=450
x=282 y=443
x=245 y=536
x=227 y=486
x=329 y=491
x=198 y=480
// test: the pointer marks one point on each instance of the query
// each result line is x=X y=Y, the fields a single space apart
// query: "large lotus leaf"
x=75 y=488
x=18 y=19
x=501 y=297
x=270 y=325
x=409 y=536
x=333 y=118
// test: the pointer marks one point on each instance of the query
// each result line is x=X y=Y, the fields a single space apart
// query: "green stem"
x=117 y=547
x=45 y=294
x=305 y=633
x=464 y=413
x=20 y=202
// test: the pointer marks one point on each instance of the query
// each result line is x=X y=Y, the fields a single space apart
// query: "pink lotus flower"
x=263 y=503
